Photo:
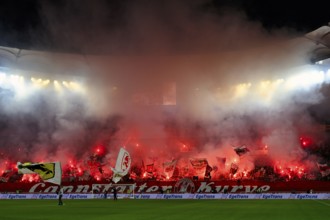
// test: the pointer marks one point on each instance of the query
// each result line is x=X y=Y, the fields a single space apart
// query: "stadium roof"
x=43 y=62
x=321 y=37
x=79 y=64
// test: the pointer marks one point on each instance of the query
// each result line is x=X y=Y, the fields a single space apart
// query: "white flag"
x=123 y=165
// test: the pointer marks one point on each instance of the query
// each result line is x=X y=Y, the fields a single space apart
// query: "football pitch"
x=164 y=209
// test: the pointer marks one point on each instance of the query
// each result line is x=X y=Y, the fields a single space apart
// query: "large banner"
x=185 y=185
x=171 y=196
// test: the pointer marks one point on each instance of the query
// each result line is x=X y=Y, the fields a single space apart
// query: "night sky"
x=28 y=23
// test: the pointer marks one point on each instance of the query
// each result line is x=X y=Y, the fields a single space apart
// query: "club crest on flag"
x=126 y=161
x=123 y=165
x=49 y=172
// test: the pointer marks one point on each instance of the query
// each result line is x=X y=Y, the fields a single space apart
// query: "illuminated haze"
x=129 y=53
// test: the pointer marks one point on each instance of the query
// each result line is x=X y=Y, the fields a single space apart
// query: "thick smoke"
x=128 y=53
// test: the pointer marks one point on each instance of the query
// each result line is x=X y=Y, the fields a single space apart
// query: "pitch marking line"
x=323 y=203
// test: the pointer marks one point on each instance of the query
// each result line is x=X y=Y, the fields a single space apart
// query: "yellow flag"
x=49 y=172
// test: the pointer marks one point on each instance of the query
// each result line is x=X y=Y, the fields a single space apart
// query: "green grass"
x=165 y=209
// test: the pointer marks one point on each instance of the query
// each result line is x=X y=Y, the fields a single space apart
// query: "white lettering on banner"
x=204 y=187
x=218 y=188
x=165 y=188
x=235 y=188
x=34 y=187
x=152 y=189
x=142 y=187
x=68 y=189
x=264 y=188
x=184 y=185
x=121 y=189
x=102 y=188
x=96 y=188
x=82 y=188
x=249 y=190
x=52 y=189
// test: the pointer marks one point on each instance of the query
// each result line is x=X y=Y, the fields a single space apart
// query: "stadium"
x=235 y=125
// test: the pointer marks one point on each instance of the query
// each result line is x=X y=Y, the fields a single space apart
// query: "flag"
x=133 y=176
x=150 y=168
x=241 y=150
x=233 y=168
x=208 y=171
x=221 y=162
x=123 y=165
x=48 y=172
x=169 y=168
x=6 y=175
x=143 y=168
x=324 y=169
x=199 y=164
x=147 y=170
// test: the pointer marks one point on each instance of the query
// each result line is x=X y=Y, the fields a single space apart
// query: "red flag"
x=199 y=164
x=324 y=169
x=221 y=162
x=208 y=171
x=150 y=168
x=133 y=175
x=169 y=168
